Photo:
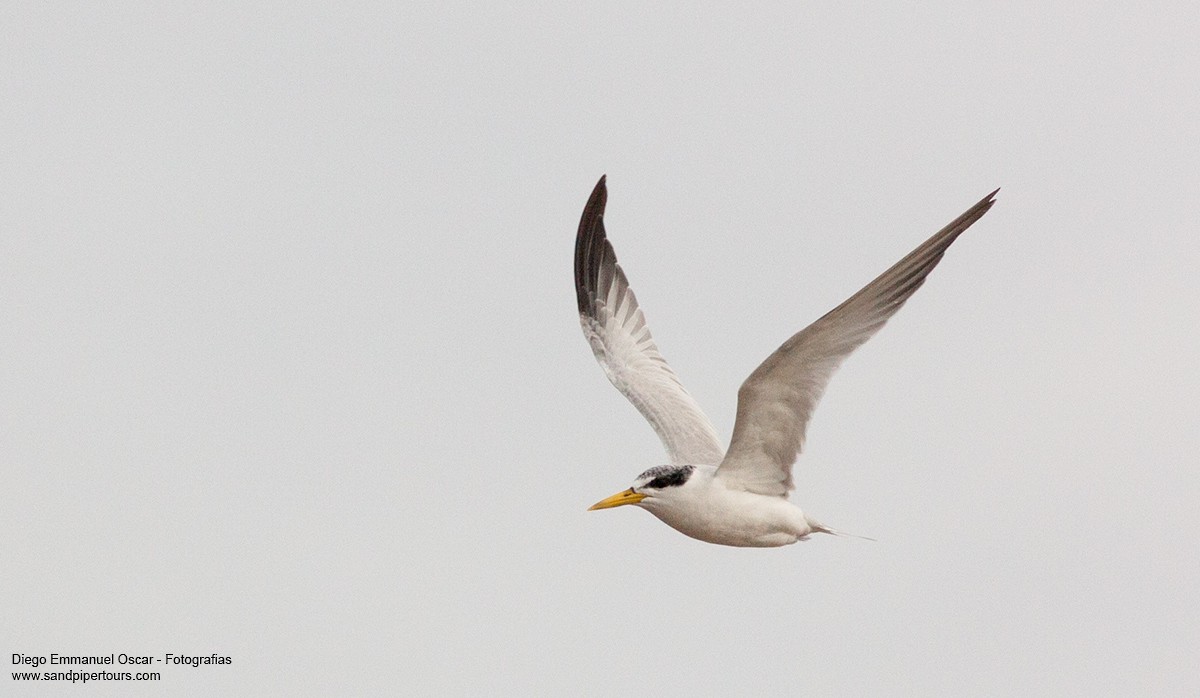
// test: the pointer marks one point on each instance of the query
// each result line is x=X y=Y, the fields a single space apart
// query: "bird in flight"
x=736 y=497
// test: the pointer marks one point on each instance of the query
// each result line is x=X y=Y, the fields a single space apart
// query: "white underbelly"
x=739 y=519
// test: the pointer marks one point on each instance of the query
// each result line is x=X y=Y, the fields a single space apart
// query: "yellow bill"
x=618 y=499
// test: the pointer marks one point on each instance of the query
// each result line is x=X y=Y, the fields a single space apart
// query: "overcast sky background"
x=291 y=369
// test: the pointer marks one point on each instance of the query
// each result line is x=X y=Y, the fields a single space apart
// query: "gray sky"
x=292 y=370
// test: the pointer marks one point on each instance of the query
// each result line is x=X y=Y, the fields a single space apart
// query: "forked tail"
x=818 y=528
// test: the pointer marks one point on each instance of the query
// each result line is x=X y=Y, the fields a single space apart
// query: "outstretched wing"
x=616 y=329
x=777 y=400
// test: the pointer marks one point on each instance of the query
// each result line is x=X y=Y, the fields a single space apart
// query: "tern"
x=737 y=497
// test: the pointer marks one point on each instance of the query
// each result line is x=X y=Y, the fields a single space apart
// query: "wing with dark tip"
x=777 y=400
x=617 y=332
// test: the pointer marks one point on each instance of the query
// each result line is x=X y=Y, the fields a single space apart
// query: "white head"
x=656 y=485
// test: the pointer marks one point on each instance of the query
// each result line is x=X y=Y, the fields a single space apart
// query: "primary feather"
x=776 y=401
